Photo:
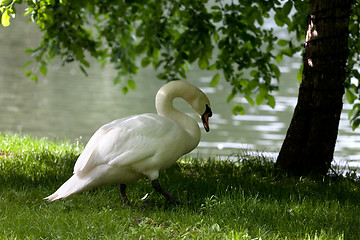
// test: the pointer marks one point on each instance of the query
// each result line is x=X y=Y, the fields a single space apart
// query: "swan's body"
x=130 y=148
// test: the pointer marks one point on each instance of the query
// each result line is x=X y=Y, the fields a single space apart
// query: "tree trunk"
x=309 y=144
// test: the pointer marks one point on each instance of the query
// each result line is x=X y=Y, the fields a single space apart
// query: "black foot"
x=125 y=200
x=167 y=195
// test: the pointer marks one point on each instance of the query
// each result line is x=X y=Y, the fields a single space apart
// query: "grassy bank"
x=222 y=200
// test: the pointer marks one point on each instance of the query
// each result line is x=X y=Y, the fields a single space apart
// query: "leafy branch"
x=228 y=38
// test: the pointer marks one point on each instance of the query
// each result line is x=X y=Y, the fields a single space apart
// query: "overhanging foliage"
x=228 y=37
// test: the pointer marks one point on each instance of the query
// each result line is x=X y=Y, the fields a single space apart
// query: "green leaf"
x=215 y=80
x=216 y=37
x=355 y=124
x=278 y=58
x=34 y=78
x=356 y=73
x=85 y=63
x=140 y=48
x=300 y=73
x=351 y=97
x=217 y=16
x=117 y=80
x=253 y=84
x=162 y=76
x=259 y=19
x=282 y=42
x=356 y=108
x=263 y=89
x=251 y=16
x=260 y=99
x=28 y=73
x=43 y=69
x=83 y=70
x=145 y=62
x=249 y=99
x=238 y=109
x=230 y=97
x=281 y=19
x=125 y=90
x=5 y=18
x=271 y=100
x=212 y=67
x=287 y=8
x=5 y=2
x=131 y=84
x=203 y=63
x=27 y=64
x=244 y=82
x=215 y=7
x=182 y=72
x=253 y=73
x=278 y=20
x=287 y=51
x=275 y=70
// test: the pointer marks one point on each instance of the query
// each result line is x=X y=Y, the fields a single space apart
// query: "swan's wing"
x=93 y=142
x=125 y=142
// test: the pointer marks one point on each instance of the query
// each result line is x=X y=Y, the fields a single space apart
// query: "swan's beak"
x=205 y=118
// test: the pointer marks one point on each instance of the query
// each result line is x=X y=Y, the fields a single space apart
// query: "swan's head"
x=201 y=105
x=193 y=95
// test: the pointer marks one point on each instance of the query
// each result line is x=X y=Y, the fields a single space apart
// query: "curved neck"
x=164 y=107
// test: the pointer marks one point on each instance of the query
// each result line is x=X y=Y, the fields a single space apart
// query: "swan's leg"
x=122 y=188
x=167 y=195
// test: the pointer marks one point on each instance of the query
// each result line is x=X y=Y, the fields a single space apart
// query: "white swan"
x=130 y=148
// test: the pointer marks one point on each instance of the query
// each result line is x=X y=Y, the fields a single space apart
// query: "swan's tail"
x=70 y=187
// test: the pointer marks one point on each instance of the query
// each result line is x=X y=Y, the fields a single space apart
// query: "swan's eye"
x=208 y=111
x=205 y=118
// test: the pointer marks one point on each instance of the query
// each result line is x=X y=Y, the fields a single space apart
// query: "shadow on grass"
x=243 y=194
x=191 y=179
x=38 y=168
x=201 y=179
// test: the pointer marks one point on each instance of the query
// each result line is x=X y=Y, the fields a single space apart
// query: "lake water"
x=67 y=104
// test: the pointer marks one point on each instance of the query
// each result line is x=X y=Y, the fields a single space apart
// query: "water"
x=67 y=104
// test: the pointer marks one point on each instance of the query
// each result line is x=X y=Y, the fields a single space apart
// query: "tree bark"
x=309 y=144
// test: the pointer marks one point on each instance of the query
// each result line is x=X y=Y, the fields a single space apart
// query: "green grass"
x=242 y=199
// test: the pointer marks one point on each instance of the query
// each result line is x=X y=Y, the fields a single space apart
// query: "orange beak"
x=205 y=118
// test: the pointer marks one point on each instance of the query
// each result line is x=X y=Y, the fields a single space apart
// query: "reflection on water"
x=66 y=104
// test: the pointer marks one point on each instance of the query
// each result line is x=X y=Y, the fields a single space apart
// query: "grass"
x=241 y=199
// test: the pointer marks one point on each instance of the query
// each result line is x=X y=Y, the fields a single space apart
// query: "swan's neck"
x=165 y=108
